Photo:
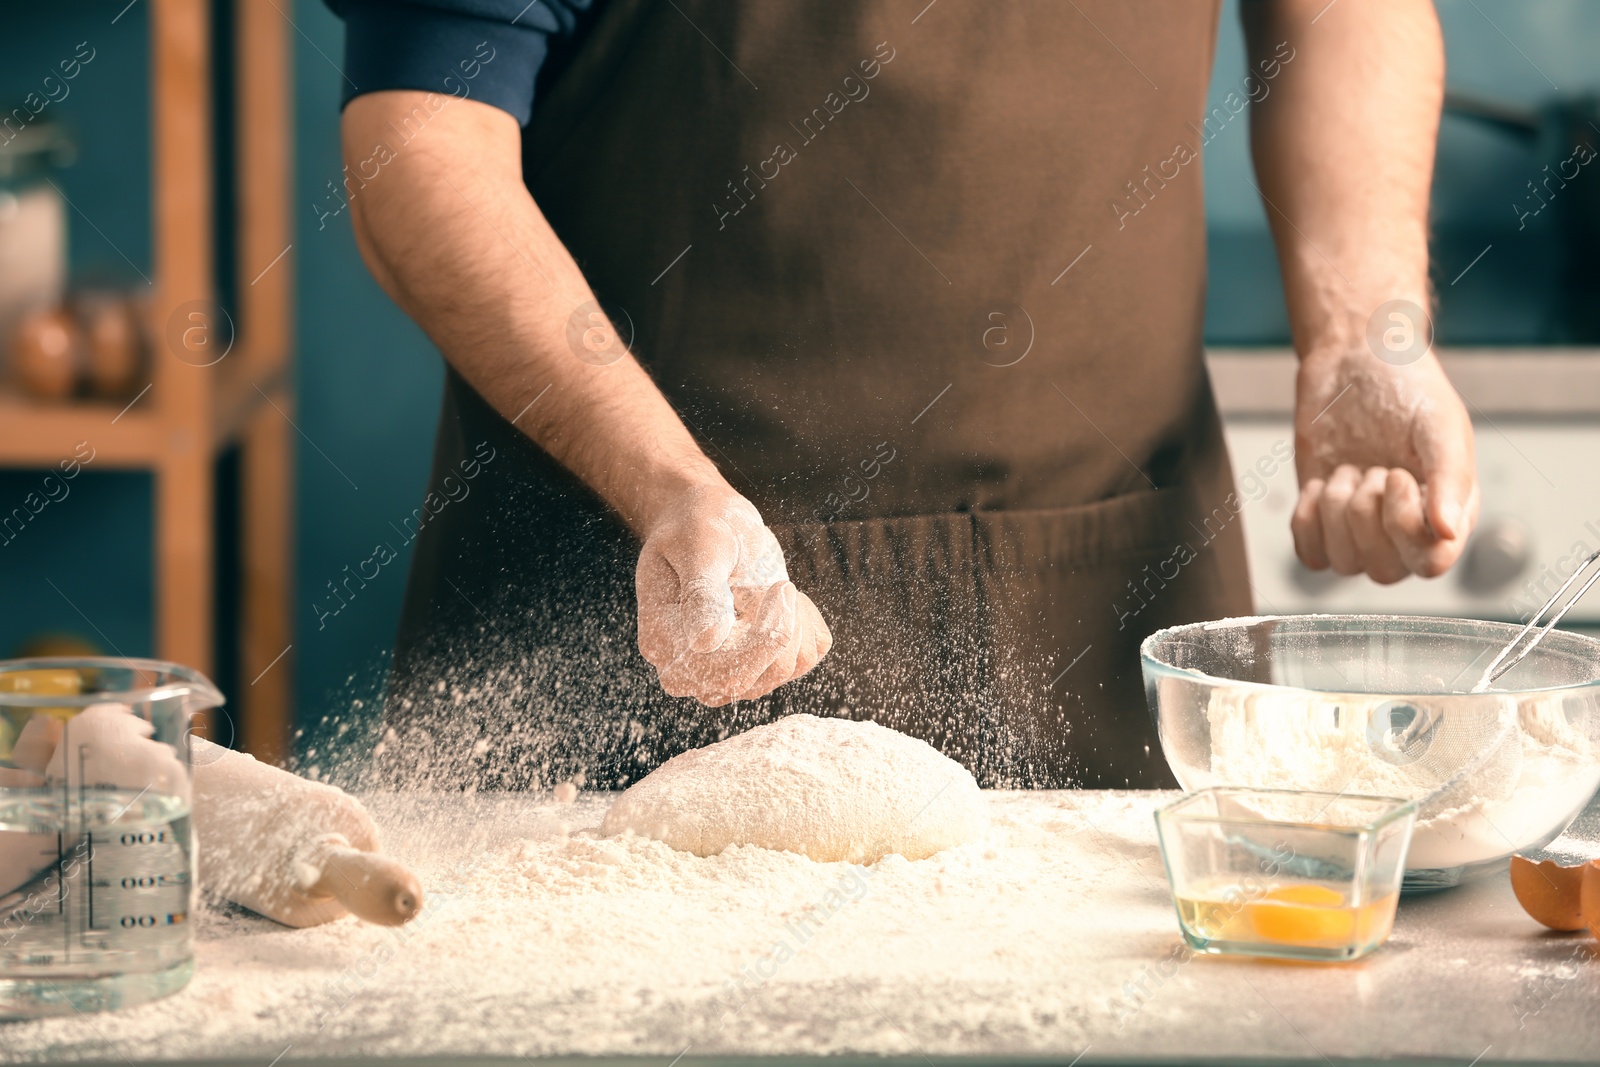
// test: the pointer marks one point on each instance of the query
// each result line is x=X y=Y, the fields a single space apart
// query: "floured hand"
x=1388 y=480
x=718 y=617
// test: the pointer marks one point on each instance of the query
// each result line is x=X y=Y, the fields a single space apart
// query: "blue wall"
x=368 y=391
x=368 y=380
x=1500 y=49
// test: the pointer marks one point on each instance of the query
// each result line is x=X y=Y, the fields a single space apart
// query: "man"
x=919 y=288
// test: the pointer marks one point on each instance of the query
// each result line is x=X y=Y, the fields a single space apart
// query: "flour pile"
x=835 y=790
x=1538 y=767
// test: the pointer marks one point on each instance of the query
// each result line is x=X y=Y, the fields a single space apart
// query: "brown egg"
x=1589 y=896
x=46 y=351
x=114 y=347
x=1550 y=892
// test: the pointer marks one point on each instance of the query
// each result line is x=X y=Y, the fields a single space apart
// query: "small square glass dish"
x=1285 y=874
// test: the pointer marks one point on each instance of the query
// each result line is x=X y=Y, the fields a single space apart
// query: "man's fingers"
x=658 y=624
x=705 y=611
x=1337 y=541
x=809 y=643
x=1445 y=449
x=1380 y=557
x=769 y=634
x=766 y=629
x=1306 y=525
x=700 y=559
x=655 y=640
x=815 y=639
x=1446 y=453
x=1450 y=496
x=778 y=671
x=782 y=667
x=1374 y=521
x=1404 y=521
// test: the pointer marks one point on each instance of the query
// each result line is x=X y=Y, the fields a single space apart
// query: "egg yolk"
x=1303 y=914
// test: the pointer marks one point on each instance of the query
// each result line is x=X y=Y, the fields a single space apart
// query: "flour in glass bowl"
x=1283 y=739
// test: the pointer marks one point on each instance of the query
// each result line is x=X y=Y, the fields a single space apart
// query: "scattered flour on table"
x=1053 y=932
x=541 y=937
x=831 y=789
x=1274 y=739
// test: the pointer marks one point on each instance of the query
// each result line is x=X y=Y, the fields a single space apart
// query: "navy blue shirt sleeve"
x=486 y=50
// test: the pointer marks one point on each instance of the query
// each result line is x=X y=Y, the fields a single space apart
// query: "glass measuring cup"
x=97 y=856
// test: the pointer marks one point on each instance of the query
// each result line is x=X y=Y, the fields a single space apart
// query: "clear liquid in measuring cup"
x=103 y=919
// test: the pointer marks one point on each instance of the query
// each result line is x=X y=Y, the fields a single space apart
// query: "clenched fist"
x=1388 y=481
x=718 y=617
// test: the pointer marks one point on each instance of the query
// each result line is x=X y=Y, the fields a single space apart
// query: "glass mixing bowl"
x=1378 y=705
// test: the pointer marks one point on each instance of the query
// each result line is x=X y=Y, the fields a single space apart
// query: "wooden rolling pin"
x=297 y=851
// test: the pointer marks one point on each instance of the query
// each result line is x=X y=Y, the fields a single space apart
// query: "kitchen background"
x=367 y=380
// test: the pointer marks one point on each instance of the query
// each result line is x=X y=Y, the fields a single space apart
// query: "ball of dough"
x=831 y=789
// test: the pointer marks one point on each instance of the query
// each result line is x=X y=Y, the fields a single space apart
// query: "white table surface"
x=1466 y=975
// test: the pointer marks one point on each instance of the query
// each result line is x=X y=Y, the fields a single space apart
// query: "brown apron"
x=927 y=283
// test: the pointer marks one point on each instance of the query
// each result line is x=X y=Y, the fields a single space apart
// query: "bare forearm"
x=1343 y=150
x=452 y=235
